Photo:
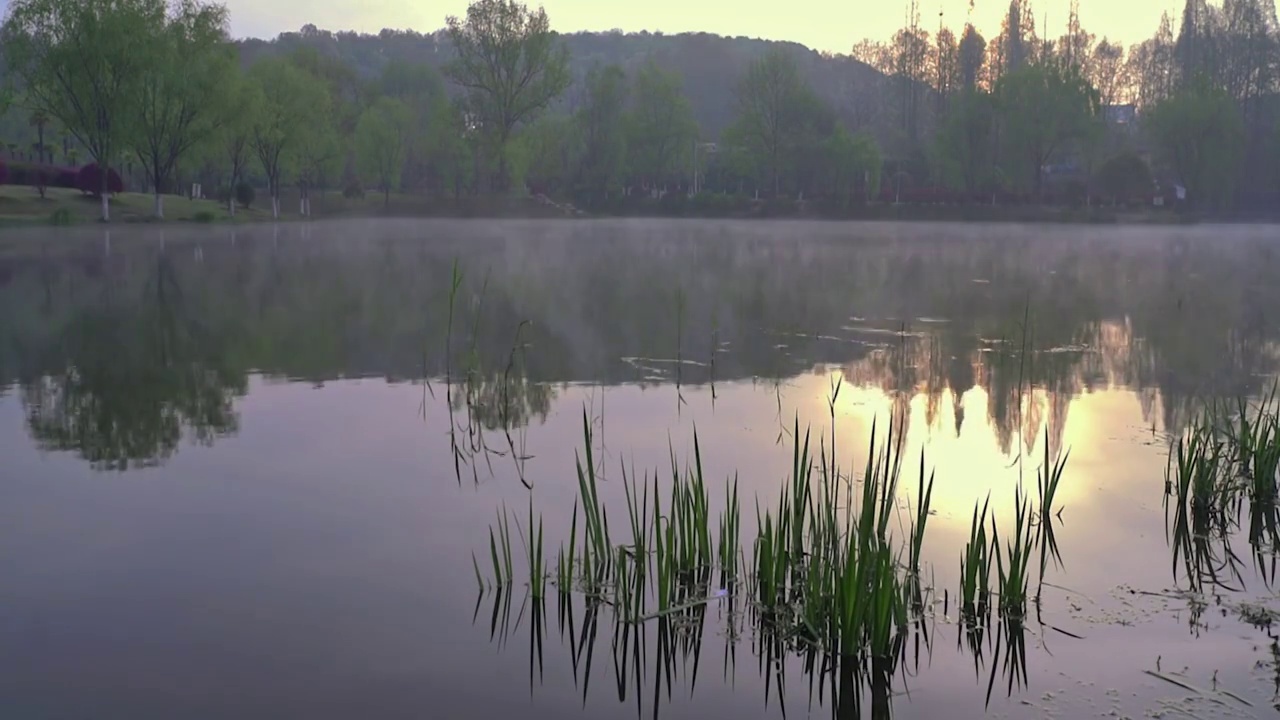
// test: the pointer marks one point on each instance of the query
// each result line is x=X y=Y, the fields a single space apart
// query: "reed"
x=975 y=567
x=1012 y=560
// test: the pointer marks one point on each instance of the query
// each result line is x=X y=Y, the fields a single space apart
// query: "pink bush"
x=89 y=180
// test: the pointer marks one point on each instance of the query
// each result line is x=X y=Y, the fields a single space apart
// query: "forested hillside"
x=708 y=65
x=501 y=105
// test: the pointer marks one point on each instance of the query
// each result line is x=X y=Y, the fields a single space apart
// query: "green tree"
x=231 y=145
x=853 y=163
x=292 y=101
x=965 y=145
x=1125 y=177
x=770 y=97
x=551 y=149
x=183 y=96
x=382 y=143
x=450 y=148
x=1044 y=108
x=510 y=65
x=1200 y=136
x=600 y=125
x=661 y=129
x=82 y=63
x=421 y=89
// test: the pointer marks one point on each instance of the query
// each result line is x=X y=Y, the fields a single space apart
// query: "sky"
x=821 y=24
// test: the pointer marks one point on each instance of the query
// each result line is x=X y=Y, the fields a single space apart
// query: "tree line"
x=158 y=88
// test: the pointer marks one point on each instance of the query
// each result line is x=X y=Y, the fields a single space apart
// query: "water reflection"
x=119 y=351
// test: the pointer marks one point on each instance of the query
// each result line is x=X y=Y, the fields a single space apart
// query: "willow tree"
x=292 y=102
x=1043 y=109
x=82 y=63
x=382 y=143
x=183 y=95
x=510 y=65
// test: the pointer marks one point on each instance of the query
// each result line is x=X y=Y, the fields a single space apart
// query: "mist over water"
x=231 y=485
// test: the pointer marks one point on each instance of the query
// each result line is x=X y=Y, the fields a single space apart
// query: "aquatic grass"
x=531 y=540
x=924 y=495
x=1013 y=558
x=500 y=550
x=1048 y=477
x=975 y=567
x=596 y=555
x=727 y=548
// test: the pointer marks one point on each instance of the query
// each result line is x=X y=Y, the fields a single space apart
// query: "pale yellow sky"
x=820 y=24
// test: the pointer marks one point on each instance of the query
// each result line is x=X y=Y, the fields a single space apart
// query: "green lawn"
x=23 y=205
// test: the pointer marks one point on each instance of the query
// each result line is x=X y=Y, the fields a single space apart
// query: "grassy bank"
x=21 y=206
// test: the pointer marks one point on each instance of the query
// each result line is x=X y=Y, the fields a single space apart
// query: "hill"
x=709 y=64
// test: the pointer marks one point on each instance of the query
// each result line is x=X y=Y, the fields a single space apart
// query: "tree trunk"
x=386 y=198
x=105 y=187
x=159 y=206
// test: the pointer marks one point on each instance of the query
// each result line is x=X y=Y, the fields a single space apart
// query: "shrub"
x=204 y=216
x=354 y=190
x=89 y=180
x=245 y=194
x=4 y=174
x=61 y=216
x=1125 y=177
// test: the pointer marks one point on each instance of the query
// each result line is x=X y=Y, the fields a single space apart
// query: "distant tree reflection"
x=128 y=381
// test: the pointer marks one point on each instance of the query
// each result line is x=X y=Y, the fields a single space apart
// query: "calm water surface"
x=238 y=483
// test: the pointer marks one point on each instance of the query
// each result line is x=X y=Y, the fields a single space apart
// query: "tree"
x=966 y=143
x=382 y=143
x=768 y=98
x=852 y=162
x=1125 y=177
x=600 y=126
x=973 y=50
x=1201 y=137
x=660 y=127
x=509 y=64
x=420 y=88
x=550 y=146
x=1108 y=71
x=319 y=160
x=232 y=143
x=1043 y=109
x=80 y=61
x=183 y=97
x=291 y=99
x=40 y=120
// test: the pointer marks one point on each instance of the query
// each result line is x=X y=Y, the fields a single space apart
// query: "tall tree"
x=600 y=125
x=1043 y=109
x=660 y=127
x=769 y=96
x=966 y=142
x=1107 y=71
x=182 y=98
x=81 y=62
x=1200 y=137
x=510 y=65
x=421 y=89
x=973 y=51
x=291 y=102
x=382 y=143
x=232 y=142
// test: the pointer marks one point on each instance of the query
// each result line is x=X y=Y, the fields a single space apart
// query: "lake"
x=254 y=472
